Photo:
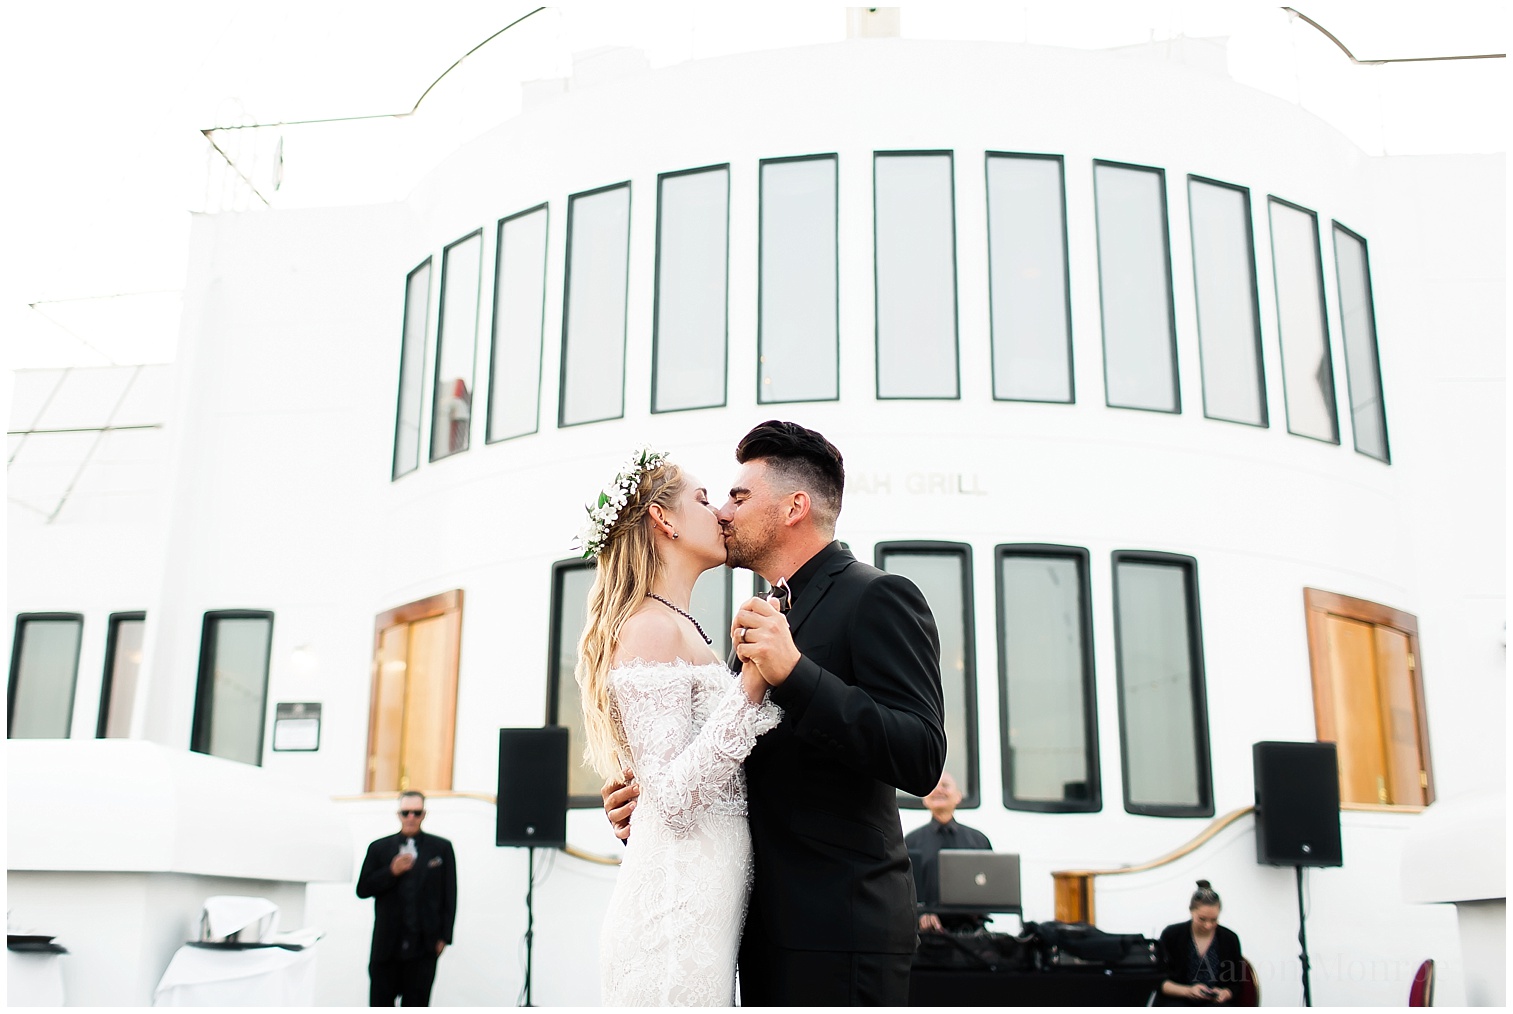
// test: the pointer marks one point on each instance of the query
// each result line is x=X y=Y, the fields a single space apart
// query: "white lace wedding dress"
x=674 y=922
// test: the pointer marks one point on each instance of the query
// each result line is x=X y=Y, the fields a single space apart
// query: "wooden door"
x=413 y=718
x=1368 y=698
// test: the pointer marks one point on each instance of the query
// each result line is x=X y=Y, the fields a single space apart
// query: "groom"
x=855 y=666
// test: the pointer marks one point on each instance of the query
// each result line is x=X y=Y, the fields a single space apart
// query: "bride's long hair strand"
x=627 y=568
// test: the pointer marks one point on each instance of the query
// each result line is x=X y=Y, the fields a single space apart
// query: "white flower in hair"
x=613 y=498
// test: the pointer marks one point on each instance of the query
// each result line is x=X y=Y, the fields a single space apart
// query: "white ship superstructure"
x=1185 y=413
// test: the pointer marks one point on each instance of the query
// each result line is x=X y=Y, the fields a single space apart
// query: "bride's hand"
x=752 y=682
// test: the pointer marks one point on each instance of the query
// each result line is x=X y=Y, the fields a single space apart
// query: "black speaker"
x=1297 y=804
x=532 y=787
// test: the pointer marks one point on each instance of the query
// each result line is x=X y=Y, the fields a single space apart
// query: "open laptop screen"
x=978 y=881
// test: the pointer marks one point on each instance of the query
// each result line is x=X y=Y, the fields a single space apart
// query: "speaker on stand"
x=532 y=806
x=1298 y=816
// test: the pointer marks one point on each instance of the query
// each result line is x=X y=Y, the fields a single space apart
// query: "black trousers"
x=774 y=976
x=410 y=979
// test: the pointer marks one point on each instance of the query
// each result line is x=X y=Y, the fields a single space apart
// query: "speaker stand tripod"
x=1302 y=939
x=530 y=919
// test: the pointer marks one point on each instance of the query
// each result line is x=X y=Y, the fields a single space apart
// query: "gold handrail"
x=492 y=800
x=1074 y=888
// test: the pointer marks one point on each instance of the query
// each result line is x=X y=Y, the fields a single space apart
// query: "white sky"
x=106 y=100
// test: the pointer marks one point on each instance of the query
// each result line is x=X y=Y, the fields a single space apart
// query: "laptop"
x=979 y=882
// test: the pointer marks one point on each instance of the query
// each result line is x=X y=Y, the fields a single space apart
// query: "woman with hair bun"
x=1202 y=958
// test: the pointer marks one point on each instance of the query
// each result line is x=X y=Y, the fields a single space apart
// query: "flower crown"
x=613 y=498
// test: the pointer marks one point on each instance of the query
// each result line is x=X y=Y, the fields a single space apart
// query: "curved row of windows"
x=1047 y=694
x=917 y=333
x=231 y=690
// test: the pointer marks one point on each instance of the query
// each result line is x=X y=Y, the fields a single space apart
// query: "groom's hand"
x=619 y=796
x=761 y=636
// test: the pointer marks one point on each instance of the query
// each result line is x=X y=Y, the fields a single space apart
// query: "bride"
x=656 y=698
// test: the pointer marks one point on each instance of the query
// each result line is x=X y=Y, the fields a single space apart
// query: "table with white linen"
x=238 y=977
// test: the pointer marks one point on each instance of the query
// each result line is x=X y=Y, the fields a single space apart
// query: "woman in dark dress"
x=1203 y=964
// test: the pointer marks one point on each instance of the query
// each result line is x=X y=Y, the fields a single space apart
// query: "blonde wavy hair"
x=627 y=567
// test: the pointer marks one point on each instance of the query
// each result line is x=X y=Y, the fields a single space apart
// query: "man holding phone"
x=412 y=878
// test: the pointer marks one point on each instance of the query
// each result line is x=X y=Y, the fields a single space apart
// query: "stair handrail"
x=1074 y=888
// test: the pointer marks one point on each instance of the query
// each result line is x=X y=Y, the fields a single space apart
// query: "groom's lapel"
x=817 y=588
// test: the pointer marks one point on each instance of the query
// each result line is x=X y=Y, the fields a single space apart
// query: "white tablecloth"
x=256 y=977
x=33 y=979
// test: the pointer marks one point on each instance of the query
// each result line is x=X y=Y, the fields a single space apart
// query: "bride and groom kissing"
x=766 y=828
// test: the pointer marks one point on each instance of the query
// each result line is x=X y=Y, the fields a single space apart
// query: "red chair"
x=1248 y=990
x=1421 y=993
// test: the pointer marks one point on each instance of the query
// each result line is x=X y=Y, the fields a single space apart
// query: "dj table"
x=1062 y=987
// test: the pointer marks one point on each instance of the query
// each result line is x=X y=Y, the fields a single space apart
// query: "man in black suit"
x=855 y=665
x=925 y=845
x=412 y=878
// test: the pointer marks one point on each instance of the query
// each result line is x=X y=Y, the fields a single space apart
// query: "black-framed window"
x=1047 y=701
x=519 y=324
x=456 y=346
x=1224 y=286
x=1163 y=700
x=412 y=358
x=123 y=666
x=1029 y=300
x=1307 y=366
x=914 y=241
x=798 y=300
x=1363 y=372
x=595 y=291
x=1135 y=287
x=231 y=700
x=943 y=573
x=571 y=582
x=44 y=675
x=690 y=309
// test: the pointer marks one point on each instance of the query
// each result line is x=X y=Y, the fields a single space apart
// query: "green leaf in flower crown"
x=602 y=500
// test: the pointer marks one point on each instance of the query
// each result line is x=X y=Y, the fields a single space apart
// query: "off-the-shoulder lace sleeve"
x=681 y=773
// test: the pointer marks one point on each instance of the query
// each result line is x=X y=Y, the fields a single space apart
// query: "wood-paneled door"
x=1368 y=698
x=412 y=721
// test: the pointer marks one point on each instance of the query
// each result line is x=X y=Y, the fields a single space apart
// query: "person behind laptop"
x=925 y=843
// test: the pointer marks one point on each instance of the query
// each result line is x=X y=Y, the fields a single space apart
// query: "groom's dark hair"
x=804 y=458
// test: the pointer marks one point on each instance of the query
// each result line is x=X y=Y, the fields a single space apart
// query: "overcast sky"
x=106 y=102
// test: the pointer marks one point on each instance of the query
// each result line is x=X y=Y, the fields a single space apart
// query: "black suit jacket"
x=430 y=885
x=862 y=714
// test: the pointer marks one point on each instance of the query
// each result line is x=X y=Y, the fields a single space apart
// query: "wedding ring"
x=740 y=634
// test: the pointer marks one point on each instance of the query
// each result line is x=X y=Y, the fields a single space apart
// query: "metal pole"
x=1302 y=940
x=530 y=920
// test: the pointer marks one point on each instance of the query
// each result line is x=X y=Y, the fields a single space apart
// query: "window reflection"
x=916 y=275
x=593 y=324
x=123 y=663
x=44 y=672
x=1049 y=727
x=1368 y=413
x=1163 y=724
x=797 y=319
x=456 y=341
x=1224 y=280
x=1027 y=278
x=689 y=346
x=519 y=311
x=412 y=356
x=1134 y=282
x=1307 y=372
x=233 y=686
x=942 y=572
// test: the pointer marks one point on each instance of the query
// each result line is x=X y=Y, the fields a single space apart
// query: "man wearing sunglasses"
x=412 y=878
